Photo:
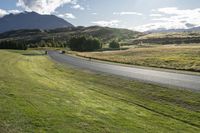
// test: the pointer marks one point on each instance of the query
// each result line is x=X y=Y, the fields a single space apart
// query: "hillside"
x=105 y=34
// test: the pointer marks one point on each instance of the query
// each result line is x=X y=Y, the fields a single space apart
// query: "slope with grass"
x=184 y=57
x=105 y=34
x=38 y=95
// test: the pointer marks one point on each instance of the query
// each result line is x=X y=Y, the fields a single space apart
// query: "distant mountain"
x=31 y=20
x=195 y=29
x=163 y=30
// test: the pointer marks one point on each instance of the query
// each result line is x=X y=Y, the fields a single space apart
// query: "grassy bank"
x=168 y=56
x=38 y=95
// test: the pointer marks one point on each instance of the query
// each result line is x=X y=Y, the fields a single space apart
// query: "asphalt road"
x=146 y=75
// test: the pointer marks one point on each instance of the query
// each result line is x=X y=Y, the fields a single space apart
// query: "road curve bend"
x=151 y=76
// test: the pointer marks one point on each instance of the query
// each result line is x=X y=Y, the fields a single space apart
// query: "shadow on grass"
x=34 y=54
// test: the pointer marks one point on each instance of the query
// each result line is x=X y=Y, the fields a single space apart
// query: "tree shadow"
x=42 y=54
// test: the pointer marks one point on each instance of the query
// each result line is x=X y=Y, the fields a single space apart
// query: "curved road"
x=151 y=76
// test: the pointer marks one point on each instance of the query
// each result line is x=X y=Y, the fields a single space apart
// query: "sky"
x=140 y=15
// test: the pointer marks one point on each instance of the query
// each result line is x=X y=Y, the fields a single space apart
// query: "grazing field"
x=180 y=57
x=38 y=95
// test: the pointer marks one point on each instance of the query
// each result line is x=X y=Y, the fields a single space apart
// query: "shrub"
x=114 y=44
x=82 y=43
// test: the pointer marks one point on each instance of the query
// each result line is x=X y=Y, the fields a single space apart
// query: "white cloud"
x=173 y=18
x=67 y=15
x=155 y=15
x=42 y=6
x=74 y=2
x=3 y=12
x=171 y=10
x=14 y=11
x=94 y=13
x=6 y=12
x=77 y=6
x=161 y=25
x=112 y=23
x=127 y=13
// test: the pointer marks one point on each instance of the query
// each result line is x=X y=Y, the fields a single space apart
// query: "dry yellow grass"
x=180 y=57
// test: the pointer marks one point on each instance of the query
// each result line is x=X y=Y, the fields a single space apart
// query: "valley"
x=91 y=66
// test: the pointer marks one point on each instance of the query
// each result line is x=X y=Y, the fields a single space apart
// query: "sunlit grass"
x=38 y=95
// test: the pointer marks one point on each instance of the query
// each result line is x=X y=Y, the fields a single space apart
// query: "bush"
x=83 y=43
x=114 y=44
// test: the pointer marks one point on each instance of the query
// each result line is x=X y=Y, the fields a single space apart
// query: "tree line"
x=75 y=43
x=23 y=45
x=20 y=45
x=83 y=43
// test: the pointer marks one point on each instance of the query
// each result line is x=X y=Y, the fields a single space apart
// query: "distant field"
x=180 y=57
x=38 y=95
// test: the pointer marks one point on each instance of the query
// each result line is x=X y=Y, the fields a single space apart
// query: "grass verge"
x=38 y=95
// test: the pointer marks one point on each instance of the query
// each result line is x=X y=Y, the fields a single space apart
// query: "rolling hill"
x=105 y=34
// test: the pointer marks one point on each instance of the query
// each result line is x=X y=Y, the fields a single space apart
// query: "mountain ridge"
x=31 y=20
x=163 y=30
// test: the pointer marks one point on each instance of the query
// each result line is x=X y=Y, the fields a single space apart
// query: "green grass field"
x=38 y=95
x=168 y=56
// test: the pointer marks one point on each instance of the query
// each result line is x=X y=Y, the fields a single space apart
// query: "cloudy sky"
x=138 y=15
